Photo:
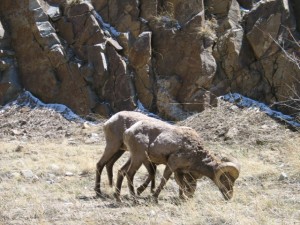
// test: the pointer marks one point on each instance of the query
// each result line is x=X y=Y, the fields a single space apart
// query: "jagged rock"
x=140 y=59
x=266 y=29
x=118 y=88
x=173 y=56
x=78 y=9
x=228 y=49
x=167 y=105
x=183 y=10
x=65 y=29
x=148 y=9
x=123 y=15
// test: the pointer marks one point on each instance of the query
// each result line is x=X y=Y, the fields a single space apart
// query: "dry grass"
x=54 y=198
x=60 y=188
x=208 y=30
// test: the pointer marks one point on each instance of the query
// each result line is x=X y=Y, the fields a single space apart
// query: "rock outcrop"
x=173 y=57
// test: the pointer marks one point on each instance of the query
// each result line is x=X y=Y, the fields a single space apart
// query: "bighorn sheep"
x=114 y=130
x=180 y=149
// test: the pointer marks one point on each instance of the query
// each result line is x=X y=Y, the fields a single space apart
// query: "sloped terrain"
x=47 y=169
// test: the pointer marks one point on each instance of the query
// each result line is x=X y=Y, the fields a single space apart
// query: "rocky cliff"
x=171 y=56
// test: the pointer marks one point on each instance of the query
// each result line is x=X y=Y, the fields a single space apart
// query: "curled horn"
x=230 y=165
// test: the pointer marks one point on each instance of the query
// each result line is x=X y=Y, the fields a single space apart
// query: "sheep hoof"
x=154 y=199
x=117 y=197
x=139 y=191
x=98 y=192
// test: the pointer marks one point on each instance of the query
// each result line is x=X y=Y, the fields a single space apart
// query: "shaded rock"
x=78 y=9
x=20 y=148
x=123 y=15
x=283 y=176
x=296 y=10
x=246 y=4
x=28 y=174
x=266 y=29
x=148 y=9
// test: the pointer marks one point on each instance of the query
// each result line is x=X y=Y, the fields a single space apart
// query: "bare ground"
x=47 y=167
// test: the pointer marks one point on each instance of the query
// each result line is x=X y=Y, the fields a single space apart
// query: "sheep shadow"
x=129 y=201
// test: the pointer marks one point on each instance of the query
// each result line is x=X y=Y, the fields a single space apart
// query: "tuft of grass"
x=166 y=18
x=208 y=30
x=74 y=2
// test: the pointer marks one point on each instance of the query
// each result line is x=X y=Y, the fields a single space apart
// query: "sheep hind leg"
x=107 y=155
x=151 y=168
x=110 y=164
x=121 y=174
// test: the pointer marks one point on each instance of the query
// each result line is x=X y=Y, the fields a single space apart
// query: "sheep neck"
x=205 y=163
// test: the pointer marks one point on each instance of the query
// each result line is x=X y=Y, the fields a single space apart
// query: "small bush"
x=208 y=30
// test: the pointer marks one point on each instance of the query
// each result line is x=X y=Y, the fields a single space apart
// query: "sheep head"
x=225 y=175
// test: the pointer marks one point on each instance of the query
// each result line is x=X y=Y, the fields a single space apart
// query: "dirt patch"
x=230 y=124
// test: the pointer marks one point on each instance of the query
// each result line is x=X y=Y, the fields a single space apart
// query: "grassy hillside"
x=47 y=177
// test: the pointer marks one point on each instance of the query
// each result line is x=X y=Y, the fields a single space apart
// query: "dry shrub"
x=208 y=30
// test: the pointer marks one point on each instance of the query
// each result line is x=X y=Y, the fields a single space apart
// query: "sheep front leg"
x=121 y=174
x=110 y=164
x=179 y=178
x=151 y=168
x=134 y=166
x=167 y=174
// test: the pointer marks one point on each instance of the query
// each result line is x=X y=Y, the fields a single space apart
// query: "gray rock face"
x=172 y=56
